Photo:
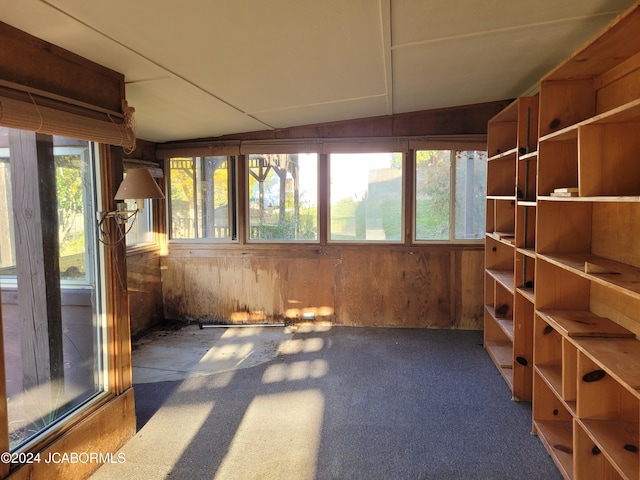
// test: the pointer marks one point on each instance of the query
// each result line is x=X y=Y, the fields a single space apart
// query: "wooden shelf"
x=526 y=293
x=584 y=324
x=529 y=252
x=508 y=153
x=528 y=156
x=626 y=278
x=619 y=357
x=557 y=436
x=504 y=237
x=601 y=199
x=504 y=278
x=611 y=438
x=581 y=323
x=511 y=186
x=629 y=112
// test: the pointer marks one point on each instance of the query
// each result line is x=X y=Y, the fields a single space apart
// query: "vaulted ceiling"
x=205 y=68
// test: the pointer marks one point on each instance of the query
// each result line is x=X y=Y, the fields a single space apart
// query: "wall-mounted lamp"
x=137 y=185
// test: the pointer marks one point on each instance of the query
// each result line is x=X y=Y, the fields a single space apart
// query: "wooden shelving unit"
x=576 y=247
x=510 y=241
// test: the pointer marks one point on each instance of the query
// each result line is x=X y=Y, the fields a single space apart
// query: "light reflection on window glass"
x=366 y=197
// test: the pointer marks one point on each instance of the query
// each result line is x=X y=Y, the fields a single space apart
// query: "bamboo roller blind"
x=26 y=111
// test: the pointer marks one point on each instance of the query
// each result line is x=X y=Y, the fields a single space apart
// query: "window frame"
x=247 y=206
x=232 y=181
x=452 y=202
x=403 y=203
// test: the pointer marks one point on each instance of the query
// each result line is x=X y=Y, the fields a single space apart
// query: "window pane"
x=50 y=303
x=283 y=197
x=433 y=190
x=366 y=197
x=200 y=197
x=141 y=230
x=470 y=205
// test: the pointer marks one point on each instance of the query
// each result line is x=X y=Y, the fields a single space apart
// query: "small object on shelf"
x=502 y=310
x=594 y=376
x=565 y=192
x=563 y=448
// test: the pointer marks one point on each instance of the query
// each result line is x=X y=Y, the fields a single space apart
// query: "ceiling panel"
x=498 y=64
x=204 y=68
x=420 y=20
x=171 y=109
x=324 y=112
x=257 y=55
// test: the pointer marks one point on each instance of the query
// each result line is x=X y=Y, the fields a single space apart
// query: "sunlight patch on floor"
x=288 y=425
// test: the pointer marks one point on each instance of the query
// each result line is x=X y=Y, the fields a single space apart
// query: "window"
x=450 y=195
x=283 y=197
x=366 y=197
x=140 y=231
x=53 y=330
x=200 y=198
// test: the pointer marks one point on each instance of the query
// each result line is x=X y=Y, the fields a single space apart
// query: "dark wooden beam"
x=37 y=256
x=462 y=120
x=28 y=61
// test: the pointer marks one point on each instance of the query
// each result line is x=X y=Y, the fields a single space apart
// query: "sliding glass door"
x=54 y=342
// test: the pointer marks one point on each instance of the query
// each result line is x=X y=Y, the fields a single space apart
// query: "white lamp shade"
x=138 y=184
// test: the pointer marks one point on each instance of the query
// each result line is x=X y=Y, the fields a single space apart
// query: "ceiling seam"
x=385 y=20
x=315 y=104
x=500 y=30
x=175 y=75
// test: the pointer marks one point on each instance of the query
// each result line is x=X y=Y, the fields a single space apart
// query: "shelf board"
x=557 y=436
x=552 y=375
x=565 y=134
x=573 y=323
x=526 y=293
x=505 y=324
x=501 y=353
x=619 y=357
x=505 y=237
x=507 y=198
x=626 y=279
x=508 y=153
x=503 y=277
x=611 y=437
x=529 y=252
x=528 y=156
x=599 y=199
x=527 y=203
x=629 y=112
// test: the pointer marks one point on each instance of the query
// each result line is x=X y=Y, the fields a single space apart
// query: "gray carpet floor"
x=344 y=403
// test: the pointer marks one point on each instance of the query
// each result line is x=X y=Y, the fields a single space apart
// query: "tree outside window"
x=283 y=197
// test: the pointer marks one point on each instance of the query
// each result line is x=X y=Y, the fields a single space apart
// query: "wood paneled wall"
x=425 y=286
x=390 y=286
x=144 y=286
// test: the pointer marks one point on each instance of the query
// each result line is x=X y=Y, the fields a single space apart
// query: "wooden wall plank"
x=34 y=63
x=103 y=432
x=144 y=286
x=395 y=286
x=463 y=120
